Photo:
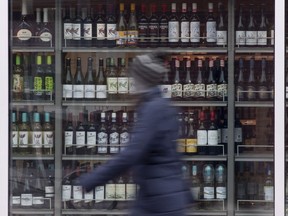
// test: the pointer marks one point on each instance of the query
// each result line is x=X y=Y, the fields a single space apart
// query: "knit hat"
x=147 y=71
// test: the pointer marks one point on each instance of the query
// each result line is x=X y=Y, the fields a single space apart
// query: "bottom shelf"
x=33 y=212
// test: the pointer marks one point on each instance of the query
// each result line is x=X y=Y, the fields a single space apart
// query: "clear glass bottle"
x=121 y=27
x=37 y=134
x=89 y=81
x=38 y=79
x=49 y=79
x=208 y=182
x=46 y=31
x=18 y=79
x=48 y=135
x=132 y=28
x=113 y=136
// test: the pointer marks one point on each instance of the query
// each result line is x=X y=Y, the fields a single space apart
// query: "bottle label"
x=163 y=32
x=76 y=31
x=211 y=90
x=262 y=38
x=49 y=191
x=68 y=138
x=77 y=193
x=221 y=193
x=188 y=90
x=263 y=92
x=221 y=38
x=131 y=85
x=16 y=200
x=46 y=36
x=185 y=32
x=101 y=91
x=67 y=91
x=112 y=83
x=238 y=134
x=80 y=139
x=211 y=32
x=251 y=94
x=272 y=33
x=173 y=31
x=66 y=192
x=212 y=137
x=120 y=191
x=88 y=196
x=122 y=85
x=114 y=140
x=14 y=139
x=49 y=85
x=91 y=139
x=195 y=191
x=18 y=83
x=87 y=28
x=222 y=90
x=68 y=30
x=195 y=32
x=38 y=83
x=166 y=91
x=130 y=191
x=153 y=32
x=176 y=90
x=89 y=91
x=99 y=194
x=121 y=38
x=201 y=137
x=37 y=139
x=208 y=192
x=199 y=90
x=143 y=31
x=23 y=139
x=78 y=91
x=48 y=139
x=37 y=200
x=181 y=145
x=24 y=34
x=110 y=191
x=100 y=31
x=269 y=193
x=102 y=140
x=26 y=199
x=224 y=135
x=111 y=31
x=251 y=38
x=191 y=145
x=132 y=36
x=240 y=37
x=124 y=139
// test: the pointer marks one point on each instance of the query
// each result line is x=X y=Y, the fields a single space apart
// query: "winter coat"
x=155 y=161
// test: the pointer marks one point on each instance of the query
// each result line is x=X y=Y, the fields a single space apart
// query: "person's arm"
x=143 y=132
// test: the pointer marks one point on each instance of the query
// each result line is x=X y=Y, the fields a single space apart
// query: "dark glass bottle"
x=46 y=32
x=212 y=135
x=222 y=87
x=49 y=77
x=191 y=138
x=78 y=82
x=176 y=87
x=77 y=28
x=194 y=27
x=110 y=26
x=101 y=85
x=48 y=135
x=184 y=26
x=91 y=136
x=238 y=133
x=38 y=79
x=132 y=27
x=221 y=27
x=202 y=135
x=211 y=34
x=18 y=79
x=251 y=33
x=143 y=27
x=66 y=189
x=211 y=86
x=262 y=32
x=112 y=81
x=67 y=28
x=188 y=85
x=200 y=85
x=100 y=27
x=251 y=83
x=68 y=81
x=28 y=78
x=240 y=33
x=89 y=81
x=102 y=136
x=240 y=85
x=263 y=84
x=122 y=80
x=88 y=196
x=113 y=135
x=69 y=136
x=124 y=132
x=173 y=27
x=80 y=136
x=153 y=27
x=77 y=189
x=163 y=26
x=88 y=29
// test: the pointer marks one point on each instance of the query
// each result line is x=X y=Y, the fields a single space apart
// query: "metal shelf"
x=204 y=158
x=254 y=50
x=267 y=157
x=206 y=213
x=199 y=103
x=254 y=103
x=32 y=103
x=87 y=157
x=33 y=49
x=32 y=157
x=32 y=211
x=254 y=213
x=146 y=50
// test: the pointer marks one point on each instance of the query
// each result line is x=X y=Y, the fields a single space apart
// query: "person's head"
x=147 y=70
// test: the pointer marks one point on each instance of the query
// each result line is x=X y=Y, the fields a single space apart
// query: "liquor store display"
x=73 y=101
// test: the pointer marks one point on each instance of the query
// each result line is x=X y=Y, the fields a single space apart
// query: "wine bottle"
x=240 y=33
x=173 y=27
x=89 y=80
x=143 y=27
x=49 y=190
x=212 y=135
x=188 y=85
x=18 y=79
x=38 y=26
x=200 y=85
x=77 y=189
x=88 y=196
x=37 y=135
x=211 y=86
x=224 y=134
x=101 y=85
x=91 y=135
x=191 y=138
x=69 y=136
x=123 y=80
x=110 y=26
x=132 y=29
x=27 y=77
x=88 y=29
x=202 y=135
x=211 y=33
x=165 y=86
x=251 y=83
x=39 y=189
x=48 y=135
x=15 y=187
x=221 y=28
x=102 y=136
x=99 y=193
x=14 y=134
x=112 y=81
x=124 y=132
x=176 y=86
x=66 y=189
x=80 y=133
x=67 y=28
x=68 y=81
x=24 y=135
x=195 y=183
x=46 y=32
x=114 y=137
x=238 y=133
x=121 y=27
x=269 y=188
x=251 y=32
x=23 y=31
x=184 y=26
x=222 y=87
x=78 y=87
x=153 y=27
x=181 y=142
x=262 y=32
x=27 y=192
x=100 y=27
x=208 y=182
x=120 y=192
x=240 y=86
x=194 y=27
x=220 y=185
x=110 y=194
x=263 y=85
x=163 y=27
x=49 y=76
x=77 y=28
x=38 y=79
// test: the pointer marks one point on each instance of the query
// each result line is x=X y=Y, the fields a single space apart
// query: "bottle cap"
x=39 y=59
x=211 y=63
x=38 y=15
x=24 y=117
x=122 y=7
x=24 y=7
x=194 y=7
x=132 y=7
x=210 y=6
x=173 y=7
x=49 y=60
x=13 y=117
x=47 y=117
x=222 y=63
x=18 y=60
x=45 y=15
x=184 y=7
x=263 y=63
x=241 y=63
x=36 y=117
x=199 y=63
